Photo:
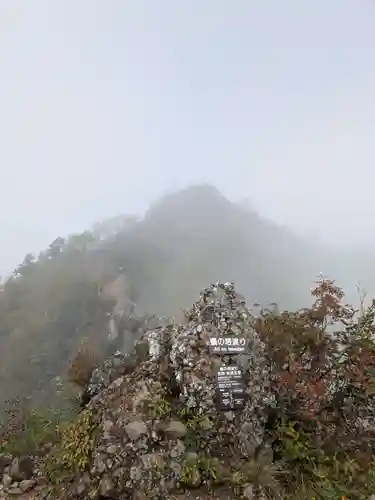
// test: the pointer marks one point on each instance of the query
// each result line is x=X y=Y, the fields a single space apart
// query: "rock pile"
x=103 y=376
x=221 y=314
x=18 y=475
x=120 y=363
x=154 y=425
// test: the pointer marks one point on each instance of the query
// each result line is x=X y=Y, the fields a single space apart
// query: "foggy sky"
x=107 y=105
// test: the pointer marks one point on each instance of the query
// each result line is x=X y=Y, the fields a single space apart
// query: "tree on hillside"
x=45 y=308
x=324 y=382
x=55 y=247
x=27 y=265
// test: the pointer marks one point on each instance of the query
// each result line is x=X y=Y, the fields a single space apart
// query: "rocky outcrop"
x=160 y=426
x=120 y=363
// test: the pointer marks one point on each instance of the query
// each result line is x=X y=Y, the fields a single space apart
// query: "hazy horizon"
x=108 y=106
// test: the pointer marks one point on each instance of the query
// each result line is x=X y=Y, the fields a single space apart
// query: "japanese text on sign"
x=230 y=388
x=227 y=345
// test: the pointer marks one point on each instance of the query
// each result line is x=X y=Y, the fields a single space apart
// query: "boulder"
x=27 y=485
x=119 y=364
x=5 y=461
x=21 y=468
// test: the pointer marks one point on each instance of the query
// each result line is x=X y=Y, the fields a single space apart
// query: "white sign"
x=227 y=345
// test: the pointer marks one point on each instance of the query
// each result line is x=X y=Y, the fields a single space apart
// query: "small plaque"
x=228 y=345
x=230 y=388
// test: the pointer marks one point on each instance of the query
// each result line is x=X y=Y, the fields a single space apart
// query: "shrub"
x=82 y=366
x=323 y=369
x=26 y=431
x=73 y=454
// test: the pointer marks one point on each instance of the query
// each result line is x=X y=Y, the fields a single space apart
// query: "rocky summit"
x=165 y=426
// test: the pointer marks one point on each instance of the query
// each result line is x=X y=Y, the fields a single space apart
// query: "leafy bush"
x=323 y=369
x=82 y=366
x=74 y=451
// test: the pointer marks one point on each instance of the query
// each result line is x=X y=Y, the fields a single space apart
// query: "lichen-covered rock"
x=105 y=374
x=157 y=430
x=220 y=312
x=121 y=363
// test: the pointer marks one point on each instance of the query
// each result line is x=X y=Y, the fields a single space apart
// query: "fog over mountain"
x=185 y=240
x=205 y=237
x=113 y=105
x=151 y=149
x=173 y=113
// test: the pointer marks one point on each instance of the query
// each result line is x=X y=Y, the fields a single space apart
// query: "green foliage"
x=199 y=470
x=196 y=425
x=46 y=308
x=73 y=454
x=27 y=432
x=158 y=407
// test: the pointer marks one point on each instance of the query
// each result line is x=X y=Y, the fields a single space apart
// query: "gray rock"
x=5 y=461
x=178 y=450
x=7 y=480
x=21 y=468
x=135 y=474
x=102 y=376
x=80 y=489
x=98 y=466
x=220 y=312
x=14 y=490
x=27 y=485
x=206 y=424
x=249 y=493
x=121 y=363
x=107 y=488
x=175 y=429
x=107 y=425
x=136 y=429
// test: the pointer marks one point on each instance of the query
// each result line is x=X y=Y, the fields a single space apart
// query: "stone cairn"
x=219 y=335
x=190 y=413
x=18 y=475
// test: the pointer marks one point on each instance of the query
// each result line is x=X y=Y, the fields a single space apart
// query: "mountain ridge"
x=185 y=240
